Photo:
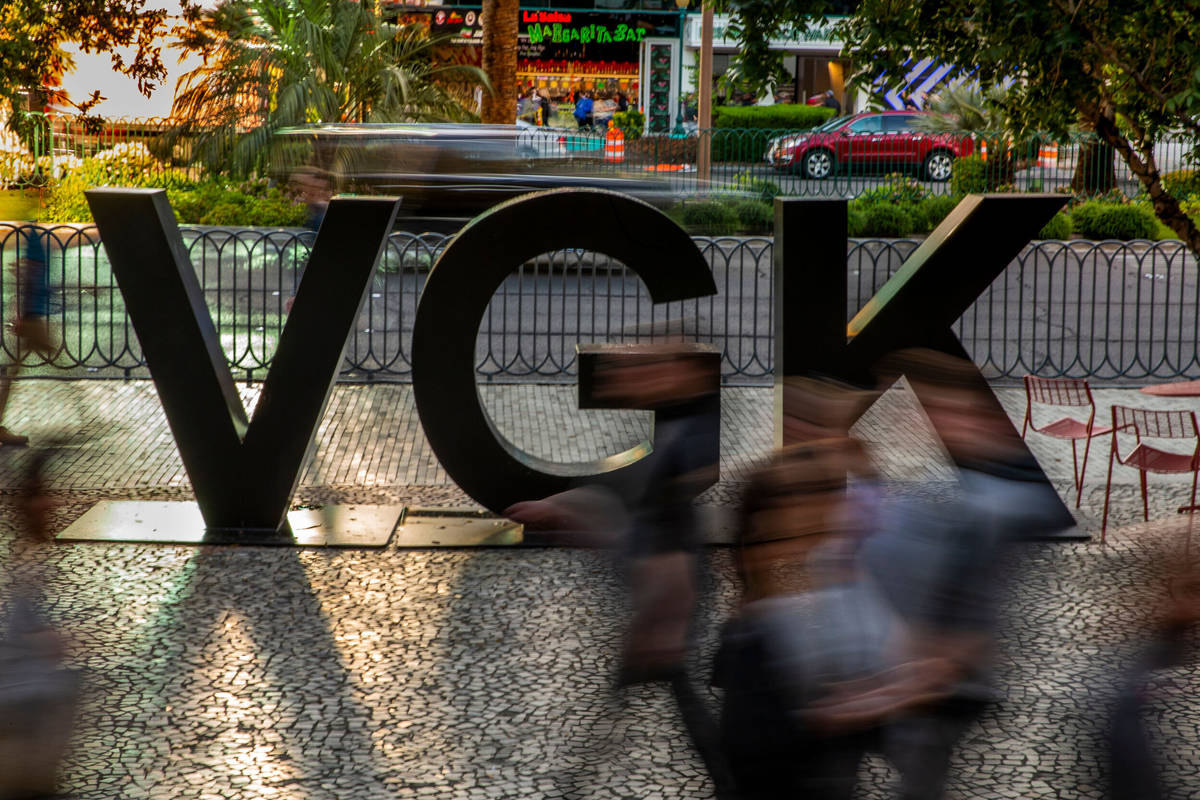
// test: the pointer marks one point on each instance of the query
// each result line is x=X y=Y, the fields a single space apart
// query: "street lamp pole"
x=682 y=5
x=704 y=115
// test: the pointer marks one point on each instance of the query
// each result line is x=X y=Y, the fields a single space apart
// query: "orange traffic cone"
x=614 y=144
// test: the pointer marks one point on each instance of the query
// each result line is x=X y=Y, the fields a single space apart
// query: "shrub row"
x=900 y=206
x=212 y=201
x=757 y=125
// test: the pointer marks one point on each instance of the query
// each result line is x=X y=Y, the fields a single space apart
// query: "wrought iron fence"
x=1104 y=310
x=56 y=145
x=832 y=164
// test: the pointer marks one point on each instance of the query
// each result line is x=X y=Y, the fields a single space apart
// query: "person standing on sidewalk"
x=832 y=102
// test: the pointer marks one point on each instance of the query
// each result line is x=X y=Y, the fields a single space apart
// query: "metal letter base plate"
x=180 y=523
x=153 y=522
x=456 y=527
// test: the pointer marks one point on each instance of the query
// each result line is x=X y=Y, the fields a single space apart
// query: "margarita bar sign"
x=556 y=27
x=564 y=27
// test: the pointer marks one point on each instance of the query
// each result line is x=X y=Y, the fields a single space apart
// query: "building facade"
x=647 y=50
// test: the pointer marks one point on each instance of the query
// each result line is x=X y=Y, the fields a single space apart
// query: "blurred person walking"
x=941 y=564
x=38 y=695
x=314 y=187
x=662 y=539
x=807 y=623
x=583 y=109
x=31 y=324
x=1134 y=753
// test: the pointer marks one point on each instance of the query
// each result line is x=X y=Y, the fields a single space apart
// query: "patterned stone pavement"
x=254 y=672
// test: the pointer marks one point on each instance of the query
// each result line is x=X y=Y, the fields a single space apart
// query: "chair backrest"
x=1058 y=391
x=1156 y=424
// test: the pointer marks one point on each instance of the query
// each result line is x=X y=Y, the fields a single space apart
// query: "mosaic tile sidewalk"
x=243 y=673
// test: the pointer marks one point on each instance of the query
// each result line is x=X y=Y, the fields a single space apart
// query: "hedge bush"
x=780 y=116
x=631 y=123
x=972 y=175
x=754 y=126
x=1059 y=227
x=885 y=219
x=1099 y=220
x=856 y=222
x=936 y=208
x=212 y=201
x=755 y=216
x=1182 y=183
x=709 y=217
x=764 y=189
x=896 y=188
x=253 y=203
x=968 y=176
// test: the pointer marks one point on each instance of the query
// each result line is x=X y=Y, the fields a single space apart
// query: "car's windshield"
x=831 y=124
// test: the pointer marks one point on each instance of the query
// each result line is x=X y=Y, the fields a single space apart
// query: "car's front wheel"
x=819 y=164
x=938 y=165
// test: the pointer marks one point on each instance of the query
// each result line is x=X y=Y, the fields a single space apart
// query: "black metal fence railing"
x=1104 y=310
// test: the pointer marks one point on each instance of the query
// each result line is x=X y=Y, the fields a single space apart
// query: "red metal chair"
x=1064 y=392
x=1145 y=423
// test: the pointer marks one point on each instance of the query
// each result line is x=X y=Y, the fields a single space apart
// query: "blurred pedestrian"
x=1134 y=754
x=31 y=324
x=807 y=623
x=314 y=187
x=663 y=538
x=583 y=109
x=940 y=563
x=830 y=101
x=38 y=695
x=603 y=110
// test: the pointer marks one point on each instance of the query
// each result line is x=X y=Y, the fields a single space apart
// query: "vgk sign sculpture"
x=244 y=472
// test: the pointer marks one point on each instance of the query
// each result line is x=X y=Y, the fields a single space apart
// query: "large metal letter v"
x=243 y=472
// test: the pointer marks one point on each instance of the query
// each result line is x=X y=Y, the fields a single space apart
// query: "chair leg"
x=1107 y=489
x=1145 y=497
x=1087 y=446
x=1075 y=466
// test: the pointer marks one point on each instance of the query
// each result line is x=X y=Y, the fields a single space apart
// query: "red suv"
x=884 y=141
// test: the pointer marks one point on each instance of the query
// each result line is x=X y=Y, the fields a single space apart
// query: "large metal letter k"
x=917 y=307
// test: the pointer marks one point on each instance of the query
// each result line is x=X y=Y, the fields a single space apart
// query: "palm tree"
x=272 y=64
x=967 y=111
x=499 y=58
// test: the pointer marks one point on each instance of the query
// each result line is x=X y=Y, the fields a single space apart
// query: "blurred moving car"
x=886 y=141
x=447 y=174
x=535 y=142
